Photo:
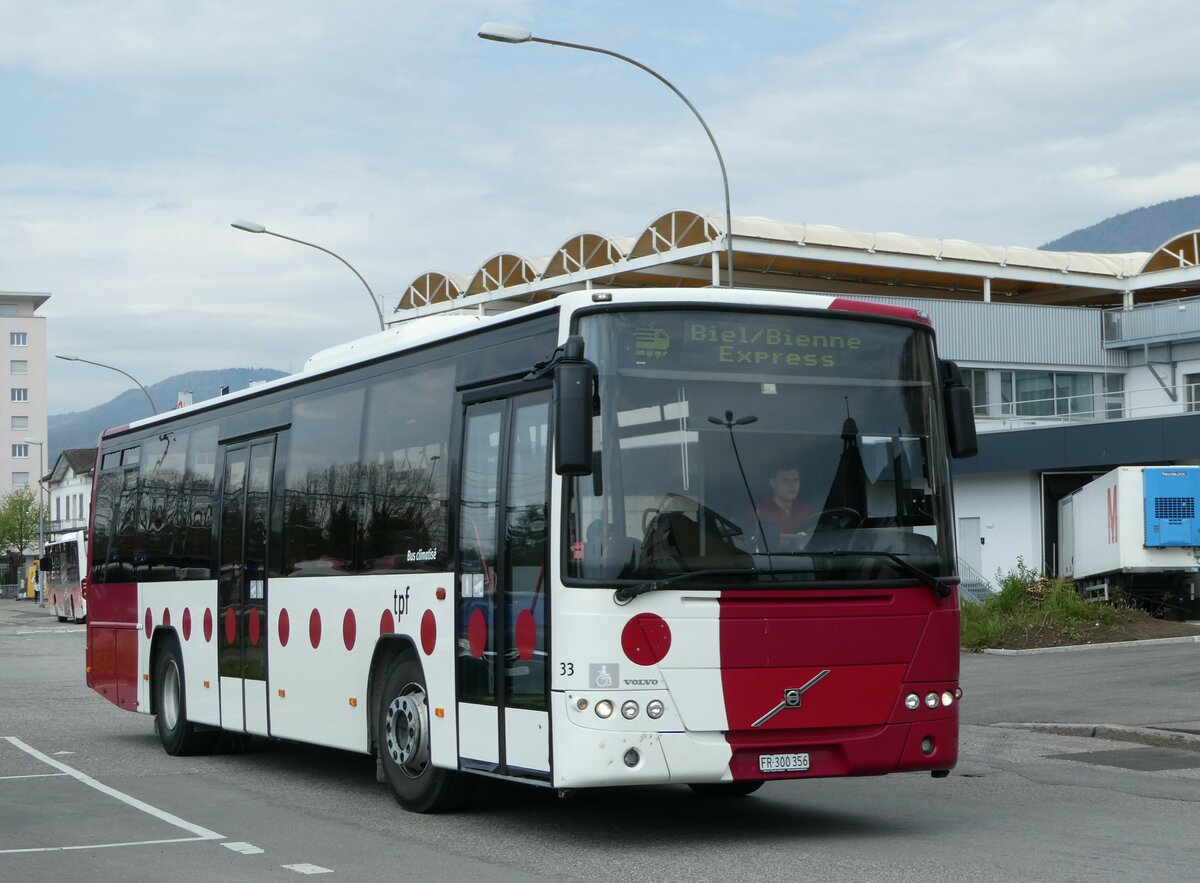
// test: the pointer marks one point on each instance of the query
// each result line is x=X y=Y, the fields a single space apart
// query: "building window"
x=8 y=310
x=18 y=394
x=19 y=423
x=1047 y=394
x=58 y=508
x=975 y=380
x=20 y=479
x=18 y=338
x=18 y=366
x=1114 y=396
x=20 y=451
x=1191 y=389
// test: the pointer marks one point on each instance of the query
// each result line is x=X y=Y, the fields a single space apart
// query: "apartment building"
x=23 y=448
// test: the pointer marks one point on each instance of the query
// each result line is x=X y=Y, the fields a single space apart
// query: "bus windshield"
x=761 y=448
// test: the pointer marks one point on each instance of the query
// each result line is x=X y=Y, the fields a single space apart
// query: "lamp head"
x=248 y=226
x=66 y=358
x=503 y=33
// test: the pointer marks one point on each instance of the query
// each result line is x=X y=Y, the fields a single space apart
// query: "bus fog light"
x=632 y=757
x=958 y=692
x=629 y=710
x=604 y=709
x=912 y=701
x=947 y=698
x=927 y=745
x=582 y=704
x=654 y=709
x=931 y=700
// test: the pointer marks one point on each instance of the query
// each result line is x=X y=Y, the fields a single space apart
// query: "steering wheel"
x=839 y=518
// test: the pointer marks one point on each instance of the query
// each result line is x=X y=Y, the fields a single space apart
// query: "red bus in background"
x=64 y=576
x=539 y=545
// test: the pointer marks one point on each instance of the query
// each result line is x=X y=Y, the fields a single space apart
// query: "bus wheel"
x=402 y=739
x=725 y=789
x=178 y=735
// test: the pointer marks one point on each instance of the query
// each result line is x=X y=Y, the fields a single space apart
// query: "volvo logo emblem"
x=791 y=698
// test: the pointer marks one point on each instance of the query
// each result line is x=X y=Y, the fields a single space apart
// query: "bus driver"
x=782 y=510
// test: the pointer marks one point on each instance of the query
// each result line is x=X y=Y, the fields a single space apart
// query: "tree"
x=20 y=514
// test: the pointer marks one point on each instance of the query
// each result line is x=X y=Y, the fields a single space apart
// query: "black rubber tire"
x=178 y=735
x=726 y=789
x=402 y=740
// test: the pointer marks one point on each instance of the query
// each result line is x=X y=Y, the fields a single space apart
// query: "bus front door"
x=503 y=598
x=242 y=584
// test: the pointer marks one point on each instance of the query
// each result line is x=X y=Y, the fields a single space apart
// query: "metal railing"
x=972 y=587
x=1173 y=320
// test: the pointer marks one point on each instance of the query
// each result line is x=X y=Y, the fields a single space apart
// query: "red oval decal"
x=314 y=628
x=230 y=626
x=387 y=623
x=255 y=627
x=187 y=623
x=349 y=629
x=428 y=632
x=149 y=622
x=208 y=625
x=477 y=633
x=526 y=634
x=284 y=628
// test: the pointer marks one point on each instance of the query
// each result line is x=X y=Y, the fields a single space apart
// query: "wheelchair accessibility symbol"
x=603 y=676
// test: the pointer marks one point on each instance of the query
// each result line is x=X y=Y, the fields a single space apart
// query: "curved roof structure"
x=683 y=248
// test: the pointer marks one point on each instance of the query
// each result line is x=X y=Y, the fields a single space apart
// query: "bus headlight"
x=604 y=709
x=912 y=701
x=654 y=709
x=629 y=710
x=931 y=700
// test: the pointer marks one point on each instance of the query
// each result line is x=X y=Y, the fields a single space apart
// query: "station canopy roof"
x=683 y=248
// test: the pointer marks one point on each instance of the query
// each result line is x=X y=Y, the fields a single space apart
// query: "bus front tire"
x=402 y=740
x=178 y=735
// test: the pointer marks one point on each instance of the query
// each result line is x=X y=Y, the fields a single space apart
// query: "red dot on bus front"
x=349 y=629
x=284 y=628
x=646 y=639
x=187 y=623
x=208 y=625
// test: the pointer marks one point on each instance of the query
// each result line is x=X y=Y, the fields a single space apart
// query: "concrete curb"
x=1115 y=645
x=1155 y=736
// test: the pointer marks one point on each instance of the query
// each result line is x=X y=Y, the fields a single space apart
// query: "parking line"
x=199 y=832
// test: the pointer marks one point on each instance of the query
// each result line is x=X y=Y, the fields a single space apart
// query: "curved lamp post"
x=145 y=392
x=252 y=227
x=502 y=33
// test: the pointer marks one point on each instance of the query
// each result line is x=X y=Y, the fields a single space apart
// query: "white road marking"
x=32 y=776
x=243 y=848
x=306 y=868
x=199 y=832
x=61 y=753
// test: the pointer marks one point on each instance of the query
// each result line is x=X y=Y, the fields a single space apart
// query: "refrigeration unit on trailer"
x=1134 y=530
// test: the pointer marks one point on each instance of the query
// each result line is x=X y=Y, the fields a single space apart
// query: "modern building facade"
x=1078 y=363
x=23 y=334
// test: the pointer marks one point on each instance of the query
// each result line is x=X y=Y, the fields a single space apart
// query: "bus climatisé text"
x=531 y=546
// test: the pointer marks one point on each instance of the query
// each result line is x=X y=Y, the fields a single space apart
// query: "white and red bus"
x=64 y=566
x=532 y=546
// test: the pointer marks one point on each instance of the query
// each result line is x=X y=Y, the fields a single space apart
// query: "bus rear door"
x=242 y=583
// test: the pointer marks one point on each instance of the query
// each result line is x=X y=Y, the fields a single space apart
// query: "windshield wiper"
x=939 y=586
x=625 y=594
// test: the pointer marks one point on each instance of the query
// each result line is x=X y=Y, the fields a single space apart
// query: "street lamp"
x=251 y=227
x=41 y=512
x=65 y=358
x=502 y=33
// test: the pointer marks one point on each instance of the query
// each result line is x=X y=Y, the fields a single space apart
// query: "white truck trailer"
x=1133 y=532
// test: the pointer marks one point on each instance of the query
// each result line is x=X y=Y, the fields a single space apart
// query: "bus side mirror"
x=574 y=392
x=960 y=412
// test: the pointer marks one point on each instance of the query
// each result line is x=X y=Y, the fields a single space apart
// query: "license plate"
x=782 y=763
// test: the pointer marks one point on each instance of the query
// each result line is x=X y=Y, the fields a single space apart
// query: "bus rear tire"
x=402 y=740
x=178 y=735
x=725 y=789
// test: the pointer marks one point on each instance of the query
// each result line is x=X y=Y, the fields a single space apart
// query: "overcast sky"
x=132 y=133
